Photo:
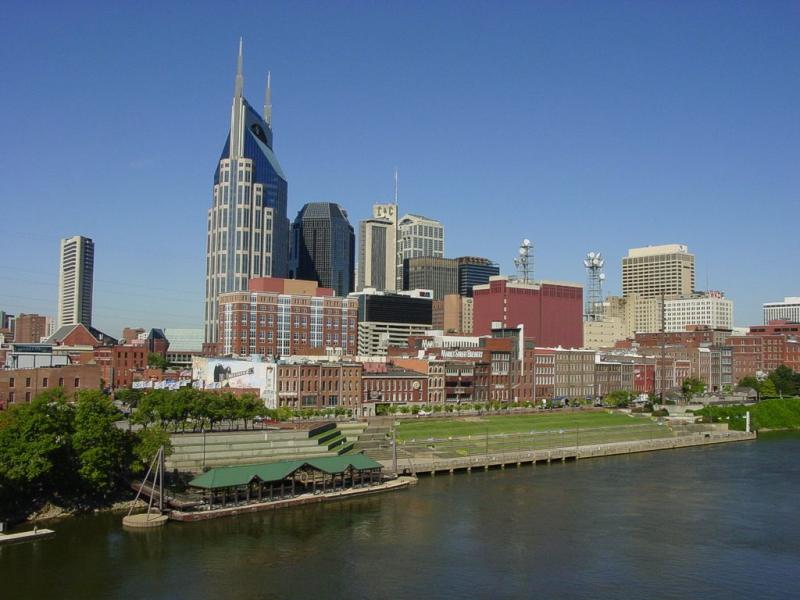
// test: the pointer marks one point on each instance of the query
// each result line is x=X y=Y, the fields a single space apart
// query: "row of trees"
x=68 y=452
x=783 y=381
x=188 y=409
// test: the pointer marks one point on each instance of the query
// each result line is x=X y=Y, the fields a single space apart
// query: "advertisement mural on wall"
x=221 y=373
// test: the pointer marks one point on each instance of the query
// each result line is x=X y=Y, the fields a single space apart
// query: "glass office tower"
x=248 y=230
x=323 y=247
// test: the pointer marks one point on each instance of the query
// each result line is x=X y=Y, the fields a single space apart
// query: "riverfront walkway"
x=420 y=465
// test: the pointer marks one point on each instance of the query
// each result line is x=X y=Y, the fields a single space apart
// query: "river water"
x=713 y=522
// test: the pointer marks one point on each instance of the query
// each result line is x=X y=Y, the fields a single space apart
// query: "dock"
x=431 y=466
x=26 y=536
x=303 y=499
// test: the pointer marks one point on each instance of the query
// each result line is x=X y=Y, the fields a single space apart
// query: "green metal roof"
x=222 y=477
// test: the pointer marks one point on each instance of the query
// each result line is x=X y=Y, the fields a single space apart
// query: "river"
x=711 y=522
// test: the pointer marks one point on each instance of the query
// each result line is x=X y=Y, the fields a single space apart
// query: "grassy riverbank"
x=767 y=414
x=425 y=428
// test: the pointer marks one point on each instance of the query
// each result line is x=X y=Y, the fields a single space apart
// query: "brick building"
x=389 y=384
x=21 y=385
x=765 y=348
x=694 y=336
x=31 y=328
x=551 y=312
x=284 y=317
x=319 y=385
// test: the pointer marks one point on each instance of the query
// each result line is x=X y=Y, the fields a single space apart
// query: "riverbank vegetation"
x=68 y=453
x=776 y=413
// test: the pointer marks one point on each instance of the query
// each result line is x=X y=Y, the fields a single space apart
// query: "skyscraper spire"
x=268 y=100
x=239 y=87
x=395 y=186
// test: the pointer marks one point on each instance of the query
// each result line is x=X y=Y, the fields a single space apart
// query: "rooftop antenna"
x=524 y=262
x=594 y=300
x=395 y=186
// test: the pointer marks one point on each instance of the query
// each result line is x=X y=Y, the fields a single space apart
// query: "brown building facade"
x=19 y=386
x=284 y=317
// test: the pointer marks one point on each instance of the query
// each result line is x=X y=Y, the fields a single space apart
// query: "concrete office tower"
x=323 y=247
x=656 y=270
x=428 y=273
x=708 y=309
x=75 y=281
x=472 y=271
x=418 y=236
x=377 y=249
x=788 y=310
x=247 y=231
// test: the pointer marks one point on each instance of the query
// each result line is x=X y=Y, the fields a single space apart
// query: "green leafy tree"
x=99 y=445
x=35 y=450
x=156 y=361
x=691 y=387
x=768 y=389
x=785 y=380
x=618 y=398
x=147 y=443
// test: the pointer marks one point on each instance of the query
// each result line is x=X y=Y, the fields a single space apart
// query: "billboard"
x=221 y=373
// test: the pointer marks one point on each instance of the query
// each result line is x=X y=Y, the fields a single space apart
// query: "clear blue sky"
x=581 y=125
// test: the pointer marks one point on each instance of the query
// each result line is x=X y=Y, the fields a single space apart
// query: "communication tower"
x=594 y=298
x=524 y=262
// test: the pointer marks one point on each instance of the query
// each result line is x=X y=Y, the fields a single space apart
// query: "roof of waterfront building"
x=222 y=477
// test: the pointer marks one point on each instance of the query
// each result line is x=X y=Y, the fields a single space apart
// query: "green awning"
x=222 y=477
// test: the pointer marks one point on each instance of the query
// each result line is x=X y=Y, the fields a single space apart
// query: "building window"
x=27 y=382
x=77 y=382
x=60 y=382
x=11 y=382
x=45 y=381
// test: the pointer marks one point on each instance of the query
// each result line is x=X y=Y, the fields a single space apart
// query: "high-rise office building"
x=473 y=270
x=247 y=232
x=323 y=247
x=75 y=281
x=788 y=310
x=418 y=236
x=377 y=249
x=656 y=270
x=440 y=275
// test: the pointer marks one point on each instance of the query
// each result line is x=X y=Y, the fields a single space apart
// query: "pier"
x=432 y=465
x=26 y=536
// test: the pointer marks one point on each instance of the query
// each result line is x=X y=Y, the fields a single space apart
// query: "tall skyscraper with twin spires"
x=248 y=230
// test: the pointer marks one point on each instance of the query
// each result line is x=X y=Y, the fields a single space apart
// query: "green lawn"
x=428 y=427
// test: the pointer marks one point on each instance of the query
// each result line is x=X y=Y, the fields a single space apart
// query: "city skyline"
x=149 y=271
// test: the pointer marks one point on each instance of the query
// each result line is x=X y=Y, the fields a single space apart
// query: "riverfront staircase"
x=194 y=452
x=374 y=440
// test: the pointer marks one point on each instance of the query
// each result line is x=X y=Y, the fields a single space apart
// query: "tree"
x=691 y=387
x=98 y=443
x=155 y=360
x=35 y=449
x=752 y=383
x=148 y=441
x=618 y=398
x=768 y=389
x=785 y=380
